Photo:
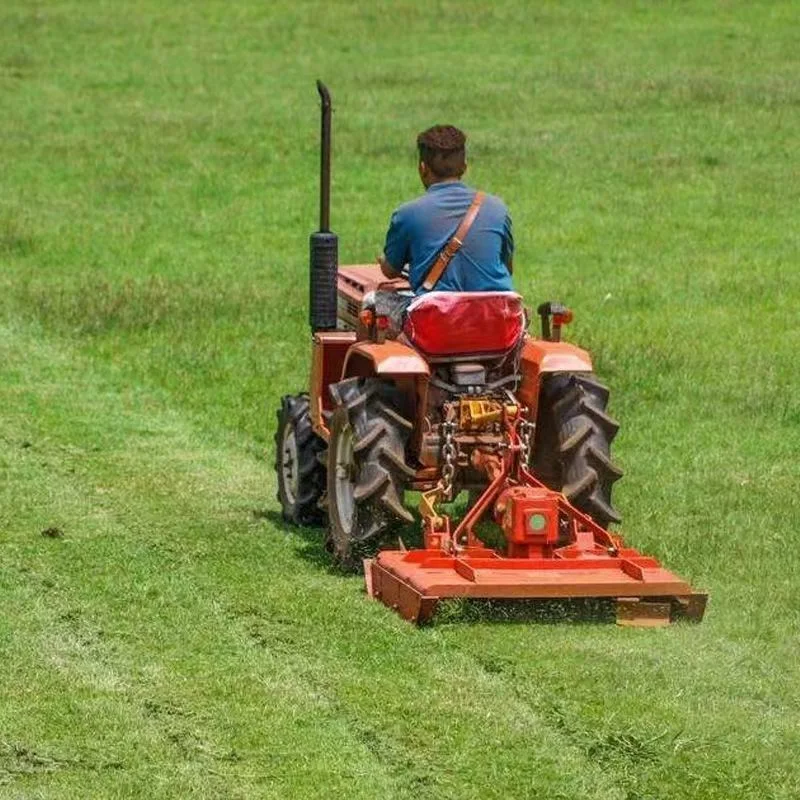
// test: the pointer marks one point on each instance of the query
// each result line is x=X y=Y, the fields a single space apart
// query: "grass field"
x=157 y=187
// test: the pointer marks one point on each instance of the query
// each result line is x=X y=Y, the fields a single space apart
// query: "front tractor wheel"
x=573 y=443
x=367 y=470
x=301 y=476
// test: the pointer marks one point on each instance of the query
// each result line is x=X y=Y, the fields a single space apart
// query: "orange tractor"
x=463 y=400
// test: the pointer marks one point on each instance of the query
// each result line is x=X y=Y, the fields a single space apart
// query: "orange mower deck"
x=413 y=582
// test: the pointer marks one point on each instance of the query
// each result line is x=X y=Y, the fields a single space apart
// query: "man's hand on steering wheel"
x=389 y=271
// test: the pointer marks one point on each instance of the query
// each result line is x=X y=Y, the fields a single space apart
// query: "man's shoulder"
x=411 y=206
x=495 y=202
x=429 y=201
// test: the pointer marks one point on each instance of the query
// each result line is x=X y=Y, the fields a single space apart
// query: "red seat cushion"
x=465 y=323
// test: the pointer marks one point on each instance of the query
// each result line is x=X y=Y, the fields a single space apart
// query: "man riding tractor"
x=452 y=239
x=424 y=379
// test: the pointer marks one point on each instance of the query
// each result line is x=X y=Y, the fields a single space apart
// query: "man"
x=420 y=229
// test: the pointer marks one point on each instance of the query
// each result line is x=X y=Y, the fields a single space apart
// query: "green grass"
x=157 y=187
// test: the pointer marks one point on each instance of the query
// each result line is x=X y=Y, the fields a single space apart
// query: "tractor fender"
x=388 y=359
x=540 y=356
x=556 y=356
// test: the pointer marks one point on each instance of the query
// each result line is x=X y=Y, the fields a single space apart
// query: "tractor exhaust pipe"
x=325 y=160
x=324 y=244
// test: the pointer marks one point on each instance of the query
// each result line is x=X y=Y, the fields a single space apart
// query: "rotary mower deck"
x=414 y=582
x=552 y=551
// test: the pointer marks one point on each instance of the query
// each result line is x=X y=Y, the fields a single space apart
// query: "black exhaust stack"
x=324 y=243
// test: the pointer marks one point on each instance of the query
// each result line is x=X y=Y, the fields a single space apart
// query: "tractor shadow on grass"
x=310 y=539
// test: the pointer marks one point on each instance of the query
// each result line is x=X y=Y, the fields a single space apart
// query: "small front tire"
x=300 y=474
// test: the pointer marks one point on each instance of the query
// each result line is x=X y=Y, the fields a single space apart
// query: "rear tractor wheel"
x=573 y=441
x=367 y=469
x=301 y=476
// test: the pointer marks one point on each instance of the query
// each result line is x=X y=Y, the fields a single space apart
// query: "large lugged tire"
x=367 y=468
x=301 y=476
x=573 y=441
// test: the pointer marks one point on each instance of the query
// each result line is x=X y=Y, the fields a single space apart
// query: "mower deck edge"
x=645 y=597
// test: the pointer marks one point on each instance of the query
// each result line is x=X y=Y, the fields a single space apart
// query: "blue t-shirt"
x=420 y=229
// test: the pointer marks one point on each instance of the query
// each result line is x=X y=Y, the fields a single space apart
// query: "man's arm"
x=396 y=249
x=387 y=269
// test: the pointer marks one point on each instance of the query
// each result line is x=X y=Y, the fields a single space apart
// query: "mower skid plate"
x=413 y=582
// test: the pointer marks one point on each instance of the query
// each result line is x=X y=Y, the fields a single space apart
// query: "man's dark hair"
x=443 y=149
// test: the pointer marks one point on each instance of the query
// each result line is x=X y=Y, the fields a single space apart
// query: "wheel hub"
x=346 y=477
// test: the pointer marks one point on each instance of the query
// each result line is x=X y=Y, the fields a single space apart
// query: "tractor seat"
x=445 y=325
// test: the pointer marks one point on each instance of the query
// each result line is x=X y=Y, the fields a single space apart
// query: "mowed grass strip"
x=166 y=642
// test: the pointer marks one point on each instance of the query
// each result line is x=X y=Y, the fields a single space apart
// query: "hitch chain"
x=450 y=454
x=526 y=437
